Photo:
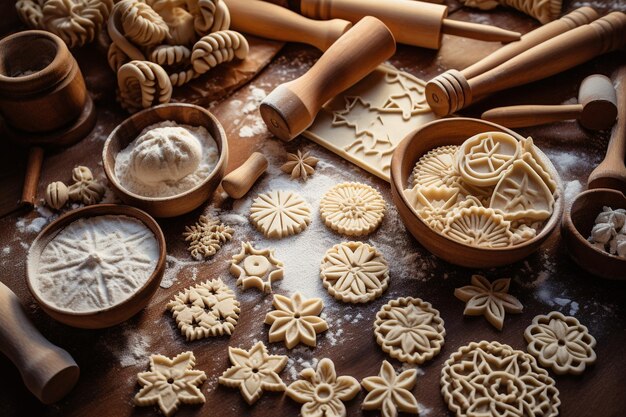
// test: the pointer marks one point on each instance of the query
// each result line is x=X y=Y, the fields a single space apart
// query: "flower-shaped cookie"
x=207 y=236
x=354 y=272
x=170 y=382
x=256 y=268
x=300 y=165
x=489 y=299
x=295 y=320
x=561 y=343
x=491 y=379
x=352 y=208
x=280 y=213
x=206 y=309
x=322 y=391
x=409 y=330
x=254 y=371
x=389 y=392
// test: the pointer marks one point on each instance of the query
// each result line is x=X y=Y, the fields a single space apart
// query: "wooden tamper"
x=43 y=98
x=596 y=108
x=271 y=21
x=48 y=371
x=451 y=91
x=239 y=181
x=411 y=22
x=291 y=107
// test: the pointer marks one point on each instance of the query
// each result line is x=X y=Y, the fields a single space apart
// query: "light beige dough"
x=207 y=236
x=481 y=159
x=480 y=227
x=390 y=392
x=86 y=189
x=56 y=195
x=544 y=11
x=300 y=165
x=142 y=84
x=256 y=268
x=279 y=214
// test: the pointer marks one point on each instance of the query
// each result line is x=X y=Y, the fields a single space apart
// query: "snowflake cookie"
x=410 y=330
x=492 y=379
x=170 y=382
x=254 y=371
x=389 y=392
x=256 y=268
x=322 y=392
x=206 y=237
x=561 y=343
x=279 y=214
x=489 y=299
x=352 y=208
x=300 y=165
x=206 y=309
x=354 y=272
x=295 y=320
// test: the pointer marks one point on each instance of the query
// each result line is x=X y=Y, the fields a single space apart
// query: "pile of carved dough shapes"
x=158 y=44
x=543 y=10
x=492 y=379
x=493 y=191
x=609 y=232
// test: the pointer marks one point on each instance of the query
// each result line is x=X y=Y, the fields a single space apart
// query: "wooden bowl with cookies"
x=166 y=160
x=487 y=229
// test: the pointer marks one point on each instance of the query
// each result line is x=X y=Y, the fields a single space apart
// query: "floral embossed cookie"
x=279 y=214
x=389 y=392
x=492 y=379
x=410 y=330
x=354 y=272
x=352 y=208
x=300 y=165
x=561 y=343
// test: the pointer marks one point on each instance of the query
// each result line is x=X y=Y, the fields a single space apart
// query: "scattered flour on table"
x=132 y=349
x=173 y=267
x=572 y=189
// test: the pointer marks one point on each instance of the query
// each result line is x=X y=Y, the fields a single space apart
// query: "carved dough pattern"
x=352 y=208
x=389 y=392
x=410 y=330
x=142 y=84
x=141 y=23
x=561 y=343
x=436 y=168
x=354 y=272
x=256 y=268
x=206 y=237
x=206 y=309
x=543 y=10
x=170 y=382
x=480 y=227
x=482 y=158
x=279 y=214
x=254 y=371
x=216 y=48
x=492 y=379
x=299 y=165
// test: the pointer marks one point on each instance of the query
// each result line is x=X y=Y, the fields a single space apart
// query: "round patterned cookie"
x=436 y=168
x=352 y=208
x=410 y=330
x=354 y=272
x=279 y=214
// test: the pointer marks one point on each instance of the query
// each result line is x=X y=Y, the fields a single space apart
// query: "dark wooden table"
x=546 y=281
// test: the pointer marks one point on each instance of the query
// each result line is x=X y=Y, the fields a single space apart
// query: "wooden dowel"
x=239 y=181
x=31 y=177
x=532 y=115
x=477 y=31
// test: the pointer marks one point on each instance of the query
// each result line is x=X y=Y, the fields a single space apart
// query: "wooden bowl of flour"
x=455 y=132
x=129 y=129
x=78 y=254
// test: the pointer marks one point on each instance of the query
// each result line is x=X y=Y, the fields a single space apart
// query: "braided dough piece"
x=116 y=57
x=143 y=84
x=216 y=48
x=177 y=56
x=141 y=23
x=31 y=12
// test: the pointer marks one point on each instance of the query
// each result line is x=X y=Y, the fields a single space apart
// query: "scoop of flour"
x=165 y=154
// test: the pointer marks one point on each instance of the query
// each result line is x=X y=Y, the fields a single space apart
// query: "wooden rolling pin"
x=239 y=181
x=48 y=371
x=411 y=22
x=291 y=107
x=450 y=91
x=611 y=173
x=271 y=21
x=578 y=17
x=596 y=108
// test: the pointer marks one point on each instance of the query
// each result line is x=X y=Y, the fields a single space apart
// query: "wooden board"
x=548 y=280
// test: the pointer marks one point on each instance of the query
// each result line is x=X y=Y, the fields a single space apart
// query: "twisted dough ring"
x=175 y=55
x=216 y=48
x=116 y=57
x=30 y=12
x=143 y=84
x=210 y=15
x=141 y=23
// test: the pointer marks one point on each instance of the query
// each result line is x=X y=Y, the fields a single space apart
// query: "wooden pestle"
x=239 y=181
x=271 y=21
x=411 y=22
x=450 y=91
x=291 y=107
x=611 y=173
x=596 y=108
x=578 y=17
x=48 y=371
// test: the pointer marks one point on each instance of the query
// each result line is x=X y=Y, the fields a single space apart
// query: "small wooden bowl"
x=576 y=228
x=117 y=313
x=129 y=129
x=455 y=132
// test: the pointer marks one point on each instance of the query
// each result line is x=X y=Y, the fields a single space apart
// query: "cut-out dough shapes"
x=279 y=214
x=256 y=268
x=206 y=237
x=300 y=165
x=482 y=158
x=390 y=392
x=352 y=208
x=296 y=320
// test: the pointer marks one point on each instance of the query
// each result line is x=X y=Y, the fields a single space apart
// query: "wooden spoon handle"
x=532 y=115
x=48 y=371
x=271 y=21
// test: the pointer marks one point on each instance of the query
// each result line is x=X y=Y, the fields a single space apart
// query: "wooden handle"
x=271 y=21
x=611 y=173
x=532 y=115
x=578 y=17
x=477 y=31
x=48 y=371
x=31 y=177
x=238 y=182
x=291 y=107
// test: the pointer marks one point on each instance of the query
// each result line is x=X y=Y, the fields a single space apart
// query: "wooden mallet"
x=596 y=108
